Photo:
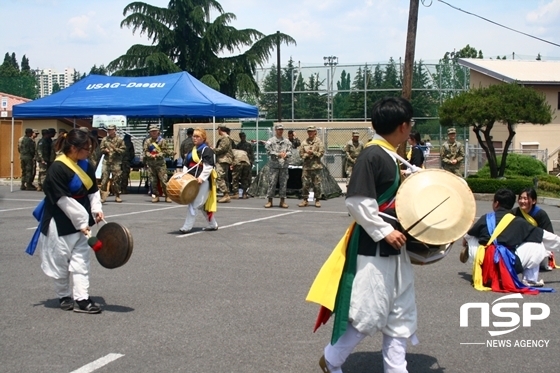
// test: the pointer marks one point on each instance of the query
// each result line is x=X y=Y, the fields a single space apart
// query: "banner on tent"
x=100 y=121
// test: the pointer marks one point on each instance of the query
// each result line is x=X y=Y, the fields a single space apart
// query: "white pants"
x=531 y=254
x=394 y=351
x=196 y=205
x=65 y=256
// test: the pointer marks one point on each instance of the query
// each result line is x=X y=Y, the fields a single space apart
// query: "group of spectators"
x=33 y=154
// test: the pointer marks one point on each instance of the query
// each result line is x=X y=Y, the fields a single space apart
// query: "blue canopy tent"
x=172 y=95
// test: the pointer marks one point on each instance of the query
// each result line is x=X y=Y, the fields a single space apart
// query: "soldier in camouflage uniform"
x=224 y=158
x=112 y=146
x=240 y=173
x=311 y=151
x=352 y=150
x=52 y=134
x=26 y=148
x=43 y=156
x=186 y=145
x=279 y=152
x=128 y=157
x=452 y=154
x=246 y=146
x=155 y=150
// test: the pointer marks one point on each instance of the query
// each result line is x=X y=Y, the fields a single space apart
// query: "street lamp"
x=331 y=61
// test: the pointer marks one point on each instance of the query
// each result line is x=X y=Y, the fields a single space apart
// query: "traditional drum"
x=182 y=188
x=115 y=245
x=435 y=208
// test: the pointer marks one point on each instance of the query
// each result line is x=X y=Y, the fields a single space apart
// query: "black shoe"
x=66 y=303
x=87 y=306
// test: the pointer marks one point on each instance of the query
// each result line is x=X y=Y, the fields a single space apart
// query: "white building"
x=48 y=77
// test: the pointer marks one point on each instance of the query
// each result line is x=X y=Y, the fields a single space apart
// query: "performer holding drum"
x=200 y=164
x=368 y=281
x=65 y=216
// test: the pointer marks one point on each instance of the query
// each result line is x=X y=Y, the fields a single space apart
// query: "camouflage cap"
x=451 y=130
x=153 y=127
x=278 y=127
x=311 y=128
x=355 y=133
x=111 y=127
x=35 y=131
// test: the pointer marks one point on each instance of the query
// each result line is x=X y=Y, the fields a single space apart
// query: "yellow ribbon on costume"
x=84 y=177
x=381 y=142
x=325 y=286
x=211 y=204
x=529 y=218
x=481 y=251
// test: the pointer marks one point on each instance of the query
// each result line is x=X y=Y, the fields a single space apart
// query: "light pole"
x=331 y=61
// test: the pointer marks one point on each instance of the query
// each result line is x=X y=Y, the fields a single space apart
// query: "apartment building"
x=48 y=77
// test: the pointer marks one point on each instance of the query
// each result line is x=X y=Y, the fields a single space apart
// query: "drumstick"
x=428 y=213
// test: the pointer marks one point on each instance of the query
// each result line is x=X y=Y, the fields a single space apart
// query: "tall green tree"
x=101 y=70
x=450 y=77
x=290 y=79
x=314 y=105
x=184 y=38
x=340 y=100
x=482 y=108
x=19 y=83
x=56 y=88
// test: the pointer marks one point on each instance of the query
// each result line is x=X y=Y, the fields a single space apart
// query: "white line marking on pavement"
x=97 y=363
x=241 y=223
x=19 y=208
x=144 y=211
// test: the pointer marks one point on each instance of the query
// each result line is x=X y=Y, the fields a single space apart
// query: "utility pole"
x=279 y=76
x=409 y=58
x=331 y=61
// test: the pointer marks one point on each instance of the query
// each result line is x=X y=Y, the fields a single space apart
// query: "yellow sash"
x=481 y=251
x=155 y=144
x=84 y=177
x=211 y=204
x=529 y=218
x=381 y=142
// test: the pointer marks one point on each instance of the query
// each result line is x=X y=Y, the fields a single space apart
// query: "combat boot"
x=235 y=196
x=104 y=196
x=22 y=187
x=39 y=188
x=167 y=199
x=245 y=195
x=317 y=203
x=224 y=199
x=155 y=199
x=118 y=198
x=303 y=203
x=283 y=204
x=268 y=204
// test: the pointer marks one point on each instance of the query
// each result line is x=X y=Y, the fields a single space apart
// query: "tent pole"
x=74 y=123
x=12 y=157
x=257 y=122
x=214 y=131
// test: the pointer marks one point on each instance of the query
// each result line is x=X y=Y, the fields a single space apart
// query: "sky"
x=58 y=34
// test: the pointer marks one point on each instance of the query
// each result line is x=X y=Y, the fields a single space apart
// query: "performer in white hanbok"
x=200 y=164
x=71 y=206
x=376 y=291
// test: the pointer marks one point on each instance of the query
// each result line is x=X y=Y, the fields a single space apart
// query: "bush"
x=549 y=187
x=480 y=185
x=517 y=165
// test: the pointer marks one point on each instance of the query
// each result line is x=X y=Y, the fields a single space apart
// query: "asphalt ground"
x=233 y=300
